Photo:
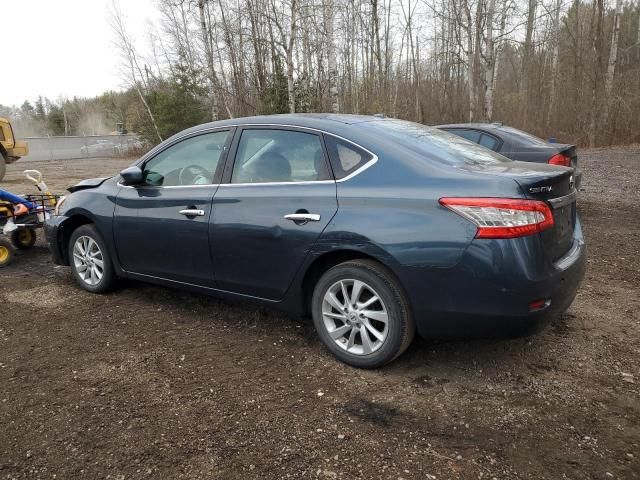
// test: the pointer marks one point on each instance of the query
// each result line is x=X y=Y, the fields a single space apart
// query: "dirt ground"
x=148 y=382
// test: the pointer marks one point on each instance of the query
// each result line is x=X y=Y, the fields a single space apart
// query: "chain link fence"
x=91 y=146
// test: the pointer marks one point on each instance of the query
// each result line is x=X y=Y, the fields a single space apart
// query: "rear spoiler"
x=564 y=147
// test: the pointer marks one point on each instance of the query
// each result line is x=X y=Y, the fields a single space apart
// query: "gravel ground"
x=148 y=382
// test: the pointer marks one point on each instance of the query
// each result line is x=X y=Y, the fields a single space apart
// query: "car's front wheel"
x=90 y=260
x=361 y=314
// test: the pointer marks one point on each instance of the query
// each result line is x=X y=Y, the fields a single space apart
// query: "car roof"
x=296 y=119
x=329 y=122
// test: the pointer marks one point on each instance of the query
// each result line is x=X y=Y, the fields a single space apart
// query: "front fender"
x=94 y=206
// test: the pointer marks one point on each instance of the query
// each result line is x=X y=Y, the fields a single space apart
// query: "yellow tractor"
x=10 y=149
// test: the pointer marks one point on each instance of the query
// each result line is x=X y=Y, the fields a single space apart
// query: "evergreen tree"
x=178 y=102
x=276 y=96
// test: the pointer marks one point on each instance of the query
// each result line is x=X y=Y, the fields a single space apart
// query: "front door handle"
x=303 y=217
x=192 y=212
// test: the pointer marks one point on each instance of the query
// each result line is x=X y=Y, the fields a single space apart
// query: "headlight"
x=58 y=208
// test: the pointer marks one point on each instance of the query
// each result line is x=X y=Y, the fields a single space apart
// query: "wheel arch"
x=329 y=260
x=68 y=227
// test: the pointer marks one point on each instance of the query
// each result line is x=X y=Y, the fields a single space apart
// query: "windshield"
x=436 y=144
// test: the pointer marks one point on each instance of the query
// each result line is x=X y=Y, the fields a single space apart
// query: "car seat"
x=272 y=167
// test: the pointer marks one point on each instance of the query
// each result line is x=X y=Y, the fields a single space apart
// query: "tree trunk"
x=597 y=19
x=527 y=58
x=289 y=52
x=206 y=39
x=489 y=70
x=331 y=55
x=553 y=91
x=611 y=65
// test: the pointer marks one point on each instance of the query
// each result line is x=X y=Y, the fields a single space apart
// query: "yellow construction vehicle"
x=10 y=149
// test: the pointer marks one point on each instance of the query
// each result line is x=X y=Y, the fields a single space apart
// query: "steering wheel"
x=193 y=175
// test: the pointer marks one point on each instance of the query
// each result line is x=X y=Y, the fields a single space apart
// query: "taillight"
x=502 y=217
x=560 y=159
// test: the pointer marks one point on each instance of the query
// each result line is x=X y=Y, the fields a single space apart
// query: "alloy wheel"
x=355 y=316
x=88 y=260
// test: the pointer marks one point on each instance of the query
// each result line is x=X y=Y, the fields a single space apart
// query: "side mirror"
x=131 y=176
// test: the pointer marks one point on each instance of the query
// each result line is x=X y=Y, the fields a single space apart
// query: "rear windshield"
x=526 y=137
x=436 y=144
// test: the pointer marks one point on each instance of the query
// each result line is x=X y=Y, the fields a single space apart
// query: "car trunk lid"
x=557 y=189
x=549 y=183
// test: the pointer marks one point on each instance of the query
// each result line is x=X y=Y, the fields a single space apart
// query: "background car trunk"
x=570 y=151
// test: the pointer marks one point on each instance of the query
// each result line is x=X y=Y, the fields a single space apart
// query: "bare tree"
x=523 y=62
x=134 y=72
x=329 y=12
x=613 y=59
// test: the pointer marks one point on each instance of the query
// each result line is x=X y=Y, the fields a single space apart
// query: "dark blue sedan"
x=374 y=227
x=518 y=145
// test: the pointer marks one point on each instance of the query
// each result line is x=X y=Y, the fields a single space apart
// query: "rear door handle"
x=303 y=217
x=192 y=212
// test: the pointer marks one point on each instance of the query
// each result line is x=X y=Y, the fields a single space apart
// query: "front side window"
x=345 y=157
x=270 y=155
x=190 y=162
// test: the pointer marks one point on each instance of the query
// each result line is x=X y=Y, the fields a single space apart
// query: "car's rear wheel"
x=361 y=314
x=90 y=260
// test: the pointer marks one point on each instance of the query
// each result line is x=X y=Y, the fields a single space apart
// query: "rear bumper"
x=53 y=232
x=490 y=292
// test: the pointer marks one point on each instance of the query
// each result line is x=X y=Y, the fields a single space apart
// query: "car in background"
x=100 y=147
x=374 y=227
x=518 y=145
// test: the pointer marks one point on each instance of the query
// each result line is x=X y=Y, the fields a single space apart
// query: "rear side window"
x=489 y=142
x=471 y=135
x=345 y=157
x=270 y=155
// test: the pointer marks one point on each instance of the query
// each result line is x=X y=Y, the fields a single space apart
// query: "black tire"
x=6 y=252
x=3 y=166
x=108 y=279
x=24 y=238
x=401 y=328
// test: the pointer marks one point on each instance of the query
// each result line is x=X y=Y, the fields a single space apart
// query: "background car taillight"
x=502 y=217
x=560 y=159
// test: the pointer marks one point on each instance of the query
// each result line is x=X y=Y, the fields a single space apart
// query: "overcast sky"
x=63 y=47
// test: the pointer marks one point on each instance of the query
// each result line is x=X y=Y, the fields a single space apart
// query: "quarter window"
x=489 y=141
x=270 y=155
x=345 y=157
x=190 y=162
